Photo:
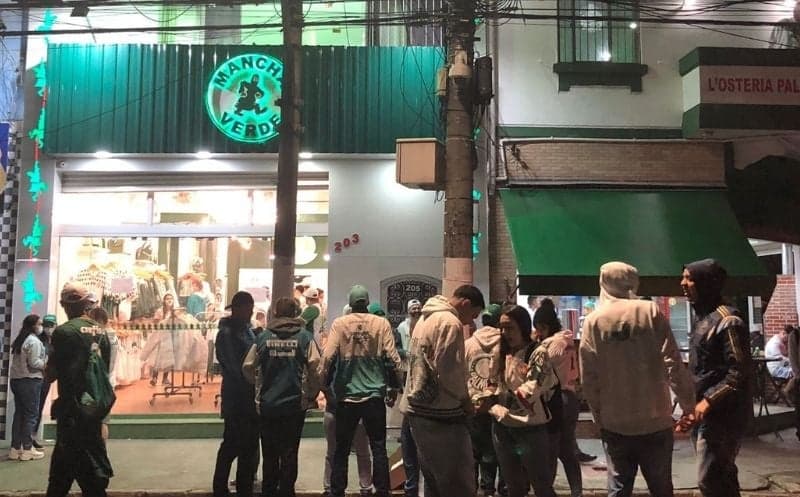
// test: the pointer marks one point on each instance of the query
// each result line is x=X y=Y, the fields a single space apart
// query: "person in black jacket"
x=240 y=436
x=719 y=359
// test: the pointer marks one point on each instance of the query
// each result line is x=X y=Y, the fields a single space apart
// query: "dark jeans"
x=567 y=444
x=410 y=460
x=480 y=431
x=525 y=458
x=373 y=414
x=26 y=409
x=625 y=454
x=239 y=441
x=42 y=399
x=79 y=454
x=280 y=441
x=717 y=448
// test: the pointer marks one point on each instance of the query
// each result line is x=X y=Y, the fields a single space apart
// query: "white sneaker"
x=13 y=454
x=34 y=449
x=30 y=455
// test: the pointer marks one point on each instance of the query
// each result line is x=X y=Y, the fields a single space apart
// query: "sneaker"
x=13 y=454
x=30 y=455
x=585 y=458
x=36 y=445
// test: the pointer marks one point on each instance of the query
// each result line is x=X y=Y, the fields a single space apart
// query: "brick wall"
x=502 y=265
x=782 y=307
x=672 y=162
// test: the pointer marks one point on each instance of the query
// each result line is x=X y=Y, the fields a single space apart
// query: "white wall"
x=400 y=229
x=528 y=88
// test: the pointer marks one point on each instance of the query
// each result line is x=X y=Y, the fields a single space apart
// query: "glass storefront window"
x=202 y=207
x=164 y=297
x=97 y=209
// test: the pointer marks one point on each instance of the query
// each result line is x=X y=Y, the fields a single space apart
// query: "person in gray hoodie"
x=629 y=361
x=437 y=403
x=482 y=353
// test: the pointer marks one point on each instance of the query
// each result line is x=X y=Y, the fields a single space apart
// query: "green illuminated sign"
x=241 y=96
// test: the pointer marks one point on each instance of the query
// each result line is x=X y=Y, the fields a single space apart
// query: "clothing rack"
x=182 y=389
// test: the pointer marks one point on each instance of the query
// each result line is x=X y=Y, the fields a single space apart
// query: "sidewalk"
x=767 y=466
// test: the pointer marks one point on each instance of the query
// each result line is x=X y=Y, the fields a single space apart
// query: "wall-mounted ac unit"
x=420 y=163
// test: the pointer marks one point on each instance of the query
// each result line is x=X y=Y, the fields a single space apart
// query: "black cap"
x=239 y=299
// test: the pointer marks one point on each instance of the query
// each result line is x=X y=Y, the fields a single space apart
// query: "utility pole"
x=459 y=147
x=289 y=148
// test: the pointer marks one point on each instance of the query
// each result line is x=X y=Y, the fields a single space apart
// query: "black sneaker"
x=36 y=445
x=585 y=458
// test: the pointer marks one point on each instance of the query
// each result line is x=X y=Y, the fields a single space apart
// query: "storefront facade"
x=152 y=179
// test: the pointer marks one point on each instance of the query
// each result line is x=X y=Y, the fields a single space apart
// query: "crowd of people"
x=496 y=411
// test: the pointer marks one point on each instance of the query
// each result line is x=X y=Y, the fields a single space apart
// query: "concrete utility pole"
x=459 y=147
x=291 y=130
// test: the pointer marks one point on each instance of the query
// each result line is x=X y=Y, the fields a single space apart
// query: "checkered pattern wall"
x=8 y=236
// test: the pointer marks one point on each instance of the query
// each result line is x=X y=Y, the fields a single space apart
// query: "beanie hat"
x=375 y=308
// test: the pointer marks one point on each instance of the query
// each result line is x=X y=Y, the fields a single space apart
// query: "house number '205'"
x=352 y=240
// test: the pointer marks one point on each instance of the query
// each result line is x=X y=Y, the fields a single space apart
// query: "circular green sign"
x=241 y=96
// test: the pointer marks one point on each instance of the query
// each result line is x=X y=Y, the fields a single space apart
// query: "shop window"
x=312 y=206
x=202 y=207
x=679 y=321
x=95 y=209
x=164 y=298
x=598 y=44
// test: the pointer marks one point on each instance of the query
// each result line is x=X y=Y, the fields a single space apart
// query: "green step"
x=179 y=427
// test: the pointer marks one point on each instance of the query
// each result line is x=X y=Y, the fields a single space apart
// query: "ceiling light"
x=633 y=25
x=327 y=257
x=305 y=155
x=102 y=154
x=605 y=56
x=203 y=154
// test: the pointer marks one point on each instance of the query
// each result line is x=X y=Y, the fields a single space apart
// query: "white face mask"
x=38 y=329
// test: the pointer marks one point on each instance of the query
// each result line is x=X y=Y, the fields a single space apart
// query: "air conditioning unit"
x=420 y=163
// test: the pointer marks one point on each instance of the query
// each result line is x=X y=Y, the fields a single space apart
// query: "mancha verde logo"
x=241 y=96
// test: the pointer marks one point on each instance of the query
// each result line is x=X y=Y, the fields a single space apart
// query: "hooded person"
x=482 y=354
x=361 y=347
x=414 y=310
x=283 y=364
x=629 y=361
x=437 y=402
x=719 y=359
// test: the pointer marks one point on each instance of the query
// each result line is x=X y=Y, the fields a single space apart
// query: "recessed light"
x=327 y=257
x=102 y=154
x=633 y=25
x=305 y=155
x=203 y=154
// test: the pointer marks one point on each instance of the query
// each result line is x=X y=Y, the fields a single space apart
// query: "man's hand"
x=391 y=397
x=104 y=431
x=685 y=423
x=701 y=410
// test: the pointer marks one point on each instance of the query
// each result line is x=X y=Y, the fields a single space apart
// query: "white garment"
x=773 y=350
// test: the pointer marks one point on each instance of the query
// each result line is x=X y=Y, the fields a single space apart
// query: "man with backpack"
x=83 y=401
x=283 y=365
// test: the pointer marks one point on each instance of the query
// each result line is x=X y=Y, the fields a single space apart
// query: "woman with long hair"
x=527 y=383
x=560 y=346
x=28 y=360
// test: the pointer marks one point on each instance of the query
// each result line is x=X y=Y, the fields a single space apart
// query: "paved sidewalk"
x=768 y=466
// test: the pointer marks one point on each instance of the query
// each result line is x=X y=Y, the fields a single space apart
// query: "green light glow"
x=37 y=185
x=40 y=73
x=34 y=240
x=241 y=96
x=476 y=196
x=37 y=133
x=29 y=294
x=476 y=244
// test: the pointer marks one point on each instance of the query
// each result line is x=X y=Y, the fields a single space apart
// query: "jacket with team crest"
x=366 y=357
x=482 y=352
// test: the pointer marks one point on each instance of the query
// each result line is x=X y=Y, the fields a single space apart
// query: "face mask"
x=38 y=329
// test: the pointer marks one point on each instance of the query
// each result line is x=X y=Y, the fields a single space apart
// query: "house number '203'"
x=346 y=243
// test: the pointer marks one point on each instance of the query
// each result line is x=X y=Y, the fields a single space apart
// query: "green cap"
x=49 y=319
x=375 y=308
x=491 y=315
x=358 y=294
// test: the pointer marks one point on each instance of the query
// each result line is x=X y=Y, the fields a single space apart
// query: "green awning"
x=561 y=237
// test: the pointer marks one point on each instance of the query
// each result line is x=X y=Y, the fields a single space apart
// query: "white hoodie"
x=482 y=351
x=436 y=385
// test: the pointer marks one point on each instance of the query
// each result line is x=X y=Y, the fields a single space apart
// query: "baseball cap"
x=49 y=319
x=412 y=303
x=492 y=310
x=358 y=294
x=311 y=293
x=73 y=293
x=239 y=299
x=375 y=308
